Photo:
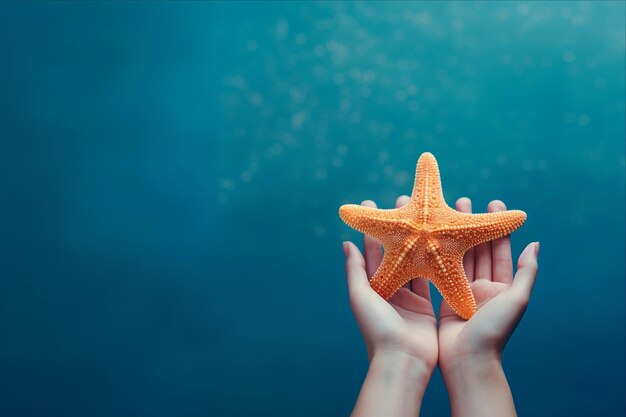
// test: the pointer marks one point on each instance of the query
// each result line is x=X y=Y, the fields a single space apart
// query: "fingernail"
x=346 y=248
x=536 y=249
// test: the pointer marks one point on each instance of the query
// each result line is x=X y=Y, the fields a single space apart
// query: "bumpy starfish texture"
x=428 y=239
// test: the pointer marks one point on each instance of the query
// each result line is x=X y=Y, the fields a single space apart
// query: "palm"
x=406 y=322
x=458 y=336
x=489 y=269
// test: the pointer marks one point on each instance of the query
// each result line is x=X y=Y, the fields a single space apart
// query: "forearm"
x=479 y=389
x=394 y=386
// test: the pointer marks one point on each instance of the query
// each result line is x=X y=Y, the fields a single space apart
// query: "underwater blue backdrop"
x=171 y=174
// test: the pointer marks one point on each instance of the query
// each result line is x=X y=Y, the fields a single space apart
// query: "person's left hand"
x=405 y=325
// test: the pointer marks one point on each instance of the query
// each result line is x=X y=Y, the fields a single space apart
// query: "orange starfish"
x=428 y=239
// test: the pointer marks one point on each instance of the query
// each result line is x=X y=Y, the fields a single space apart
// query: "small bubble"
x=523 y=9
x=339 y=78
x=583 y=120
x=337 y=162
x=423 y=18
x=246 y=176
x=321 y=173
x=569 y=56
x=570 y=117
x=400 y=95
x=319 y=71
x=369 y=76
x=576 y=218
x=502 y=14
x=578 y=20
x=274 y=150
x=573 y=70
x=373 y=177
x=238 y=81
x=301 y=39
x=566 y=12
x=297 y=120
x=355 y=117
x=226 y=184
x=401 y=178
x=222 y=198
x=256 y=99
x=296 y=94
x=282 y=28
x=319 y=50
x=524 y=182
x=252 y=45
x=344 y=105
x=342 y=149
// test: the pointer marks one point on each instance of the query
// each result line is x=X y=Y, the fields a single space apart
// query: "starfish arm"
x=371 y=221
x=473 y=229
x=427 y=193
x=451 y=282
x=392 y=274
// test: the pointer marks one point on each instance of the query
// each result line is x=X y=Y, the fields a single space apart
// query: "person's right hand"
x=403 y=325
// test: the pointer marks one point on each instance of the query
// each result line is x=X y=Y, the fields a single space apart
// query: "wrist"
x=402 y=368
x=477 y=386
x=464 y=367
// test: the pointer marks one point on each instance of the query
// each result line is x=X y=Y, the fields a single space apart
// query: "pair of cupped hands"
x=405 y=326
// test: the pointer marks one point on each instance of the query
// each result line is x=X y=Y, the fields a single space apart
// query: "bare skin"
x=404 y=343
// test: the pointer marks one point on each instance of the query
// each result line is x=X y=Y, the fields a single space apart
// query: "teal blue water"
x=171 y=174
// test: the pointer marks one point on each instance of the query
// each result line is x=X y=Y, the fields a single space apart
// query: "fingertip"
x=495 y=206
x=528 y=255
x=353 y=254
x=537 y=244
x=403 y=200
x=464 y=204
x=368 y=203
x=355 y=266
x=346 y=249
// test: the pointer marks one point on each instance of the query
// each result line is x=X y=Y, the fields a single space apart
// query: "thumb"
x=526 y=271
x=355 y=267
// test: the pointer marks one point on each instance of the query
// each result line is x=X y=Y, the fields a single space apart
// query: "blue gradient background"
x=171 y=174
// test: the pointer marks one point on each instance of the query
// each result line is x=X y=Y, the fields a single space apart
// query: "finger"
x=372 y=247
x=400 y=202
x=421 y=287
x=501 y=261
x=355 y=268
x=482 y=267
x=526 y=272
x=464 y=205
